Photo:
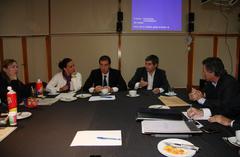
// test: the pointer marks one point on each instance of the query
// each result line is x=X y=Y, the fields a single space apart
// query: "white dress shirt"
x=58 y=81
x=150 y=80
x=150 y=83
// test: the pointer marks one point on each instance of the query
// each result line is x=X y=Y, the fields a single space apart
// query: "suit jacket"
x=236 y=124
x=159 y=81
x=115 y=79
x=223 y=99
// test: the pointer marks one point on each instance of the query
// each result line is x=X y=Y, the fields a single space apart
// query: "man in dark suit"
x=219 y=91
x=105 y=77
x=150 y=77
x=235 y=124
x=229 y=116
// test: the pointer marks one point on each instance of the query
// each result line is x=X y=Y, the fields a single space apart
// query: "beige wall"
x=225 y=47
x=84 y=50
x=24 y=17
x=71 y=16
x=211 y=19
x=37 y=58
x=94 y=22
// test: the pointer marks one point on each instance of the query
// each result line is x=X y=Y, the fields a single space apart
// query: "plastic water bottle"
x=39 y=88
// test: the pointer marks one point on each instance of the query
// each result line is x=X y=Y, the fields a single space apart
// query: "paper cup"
x=12 y=116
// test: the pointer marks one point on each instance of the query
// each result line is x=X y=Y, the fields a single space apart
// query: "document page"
x=97 y=138
x=5 y=131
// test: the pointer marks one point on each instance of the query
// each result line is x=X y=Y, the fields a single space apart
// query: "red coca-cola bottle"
x=39 y=88
x=11 y=99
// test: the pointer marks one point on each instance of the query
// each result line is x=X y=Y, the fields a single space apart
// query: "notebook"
x=173 y=101
x=147 y=113
x=169 y=127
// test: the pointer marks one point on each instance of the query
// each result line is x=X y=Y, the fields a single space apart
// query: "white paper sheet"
x=165 y=126
x=47 y=101
x=100 y=98
x=5 y=131
x=195 y=118
x=97 y=138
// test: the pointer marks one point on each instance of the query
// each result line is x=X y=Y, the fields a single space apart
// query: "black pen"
x=108 y=138
x=106 y=96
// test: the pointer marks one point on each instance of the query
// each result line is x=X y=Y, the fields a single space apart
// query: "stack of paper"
x=99 y=98
x=173 y=101
x=5 y=131
x=97 y=138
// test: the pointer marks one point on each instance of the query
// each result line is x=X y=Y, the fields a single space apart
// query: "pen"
x=108 y=138
x=106 y=96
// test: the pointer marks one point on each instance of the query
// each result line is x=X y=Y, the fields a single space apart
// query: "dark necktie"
x=68 y=80
x=105 y=80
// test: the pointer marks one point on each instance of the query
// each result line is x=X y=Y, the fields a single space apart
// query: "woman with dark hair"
x=8 y=77
x=66 y=80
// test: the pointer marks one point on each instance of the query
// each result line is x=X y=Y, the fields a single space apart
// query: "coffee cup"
x=104 y=91
x=132 y=93
x=12 y=116
x=238 y=136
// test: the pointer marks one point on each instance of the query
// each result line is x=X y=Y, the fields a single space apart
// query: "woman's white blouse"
x=58 y=81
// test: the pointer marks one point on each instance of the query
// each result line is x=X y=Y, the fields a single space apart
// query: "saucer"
x=23 y=115
x=68 y=99
x=133 y=96
x=83 y=95
x=41 y=96
x=171 y=94
x=101 y=94
x=233 y=141
x=158 y=107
